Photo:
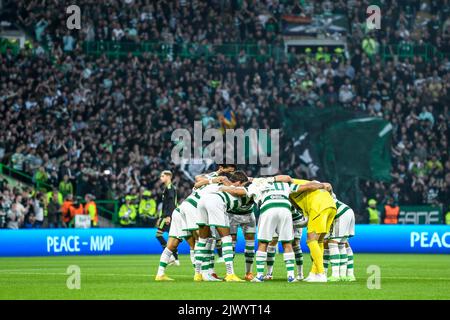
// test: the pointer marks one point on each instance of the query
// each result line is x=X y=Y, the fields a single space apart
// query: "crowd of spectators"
x=20 y=207
x=103 y=125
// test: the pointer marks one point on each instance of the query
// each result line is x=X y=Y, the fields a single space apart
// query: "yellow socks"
x=321 y=247
x=317 y=256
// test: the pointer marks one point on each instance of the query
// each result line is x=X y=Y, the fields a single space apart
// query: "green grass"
x=132 y=277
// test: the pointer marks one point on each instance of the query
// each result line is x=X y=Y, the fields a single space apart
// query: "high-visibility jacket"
x=447 y=218
x=65 y=188
x=374 y=216
x=65 y=211
x=391 y=214
x=127 y=214
x=369 y=46
x=74 y=211
x=91 y=209
x=148 y=208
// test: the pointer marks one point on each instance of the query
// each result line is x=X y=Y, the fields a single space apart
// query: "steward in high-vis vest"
x=90 y=208
x=391 y=212
x=65 y=210
x=147 y=209
x=374 y=214
x=127 y=213
x=75 y=209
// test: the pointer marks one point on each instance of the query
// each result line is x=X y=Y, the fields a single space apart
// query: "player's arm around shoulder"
x=202 y=182
x=299 y=185
x=283 y=178
x=234 y=191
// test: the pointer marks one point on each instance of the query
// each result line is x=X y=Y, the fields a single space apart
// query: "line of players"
x=223 y=200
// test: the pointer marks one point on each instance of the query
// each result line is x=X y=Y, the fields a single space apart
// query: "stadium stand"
x=99 y=104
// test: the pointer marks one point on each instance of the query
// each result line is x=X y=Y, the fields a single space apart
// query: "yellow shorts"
x=320 y=222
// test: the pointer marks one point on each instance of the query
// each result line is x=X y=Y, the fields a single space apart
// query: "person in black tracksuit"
x=169 y=203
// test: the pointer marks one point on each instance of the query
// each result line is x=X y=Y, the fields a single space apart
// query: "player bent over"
x=320 y=208
x=184 y=225
x=275 y=216
x=176 y=235
x=244 y=217
x=299 y=221
x=338 y=252
x=212 y=209
x=203 y=253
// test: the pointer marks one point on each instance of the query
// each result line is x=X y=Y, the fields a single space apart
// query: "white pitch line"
x=16 y=272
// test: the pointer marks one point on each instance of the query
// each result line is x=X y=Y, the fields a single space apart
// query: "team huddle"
x=224 y=200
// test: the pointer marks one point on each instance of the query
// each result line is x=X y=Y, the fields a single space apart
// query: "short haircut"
x=228 y=165
x=167 y=173
x=239 y=176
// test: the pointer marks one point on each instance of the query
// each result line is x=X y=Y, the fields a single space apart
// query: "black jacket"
x=169 y=200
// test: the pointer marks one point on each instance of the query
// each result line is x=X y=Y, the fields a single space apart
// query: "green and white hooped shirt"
x=237 y=205
x=341 y=209
x=272 y=195
x=194 y=197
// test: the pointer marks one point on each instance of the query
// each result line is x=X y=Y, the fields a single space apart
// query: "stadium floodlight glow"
x=107 y=172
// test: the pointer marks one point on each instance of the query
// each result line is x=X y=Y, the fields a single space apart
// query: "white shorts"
x=276 y=222
x=342 y=227
x=246 y=221
x=298 y=232
x=190 y=216
x=212 y=211
x=176 y=226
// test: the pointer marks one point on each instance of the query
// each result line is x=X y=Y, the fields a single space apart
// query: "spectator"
x=3 y=213
x=65 y=186
x=54 y=212
x=38 y=209
x=65 y=211
x=127 y=213
x=15 y=217
x=30 y=221
x=75 y=209
x=91 y=209
x=84 y=115
x=41 y=178
x=372 y=212
x=147 y=210
x=447 y=217
x=391 y=212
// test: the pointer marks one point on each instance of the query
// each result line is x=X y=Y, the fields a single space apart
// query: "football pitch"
x=404 y=276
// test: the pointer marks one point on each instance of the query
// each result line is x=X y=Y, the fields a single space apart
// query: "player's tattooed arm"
x=237 y=192
x=311 y=186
